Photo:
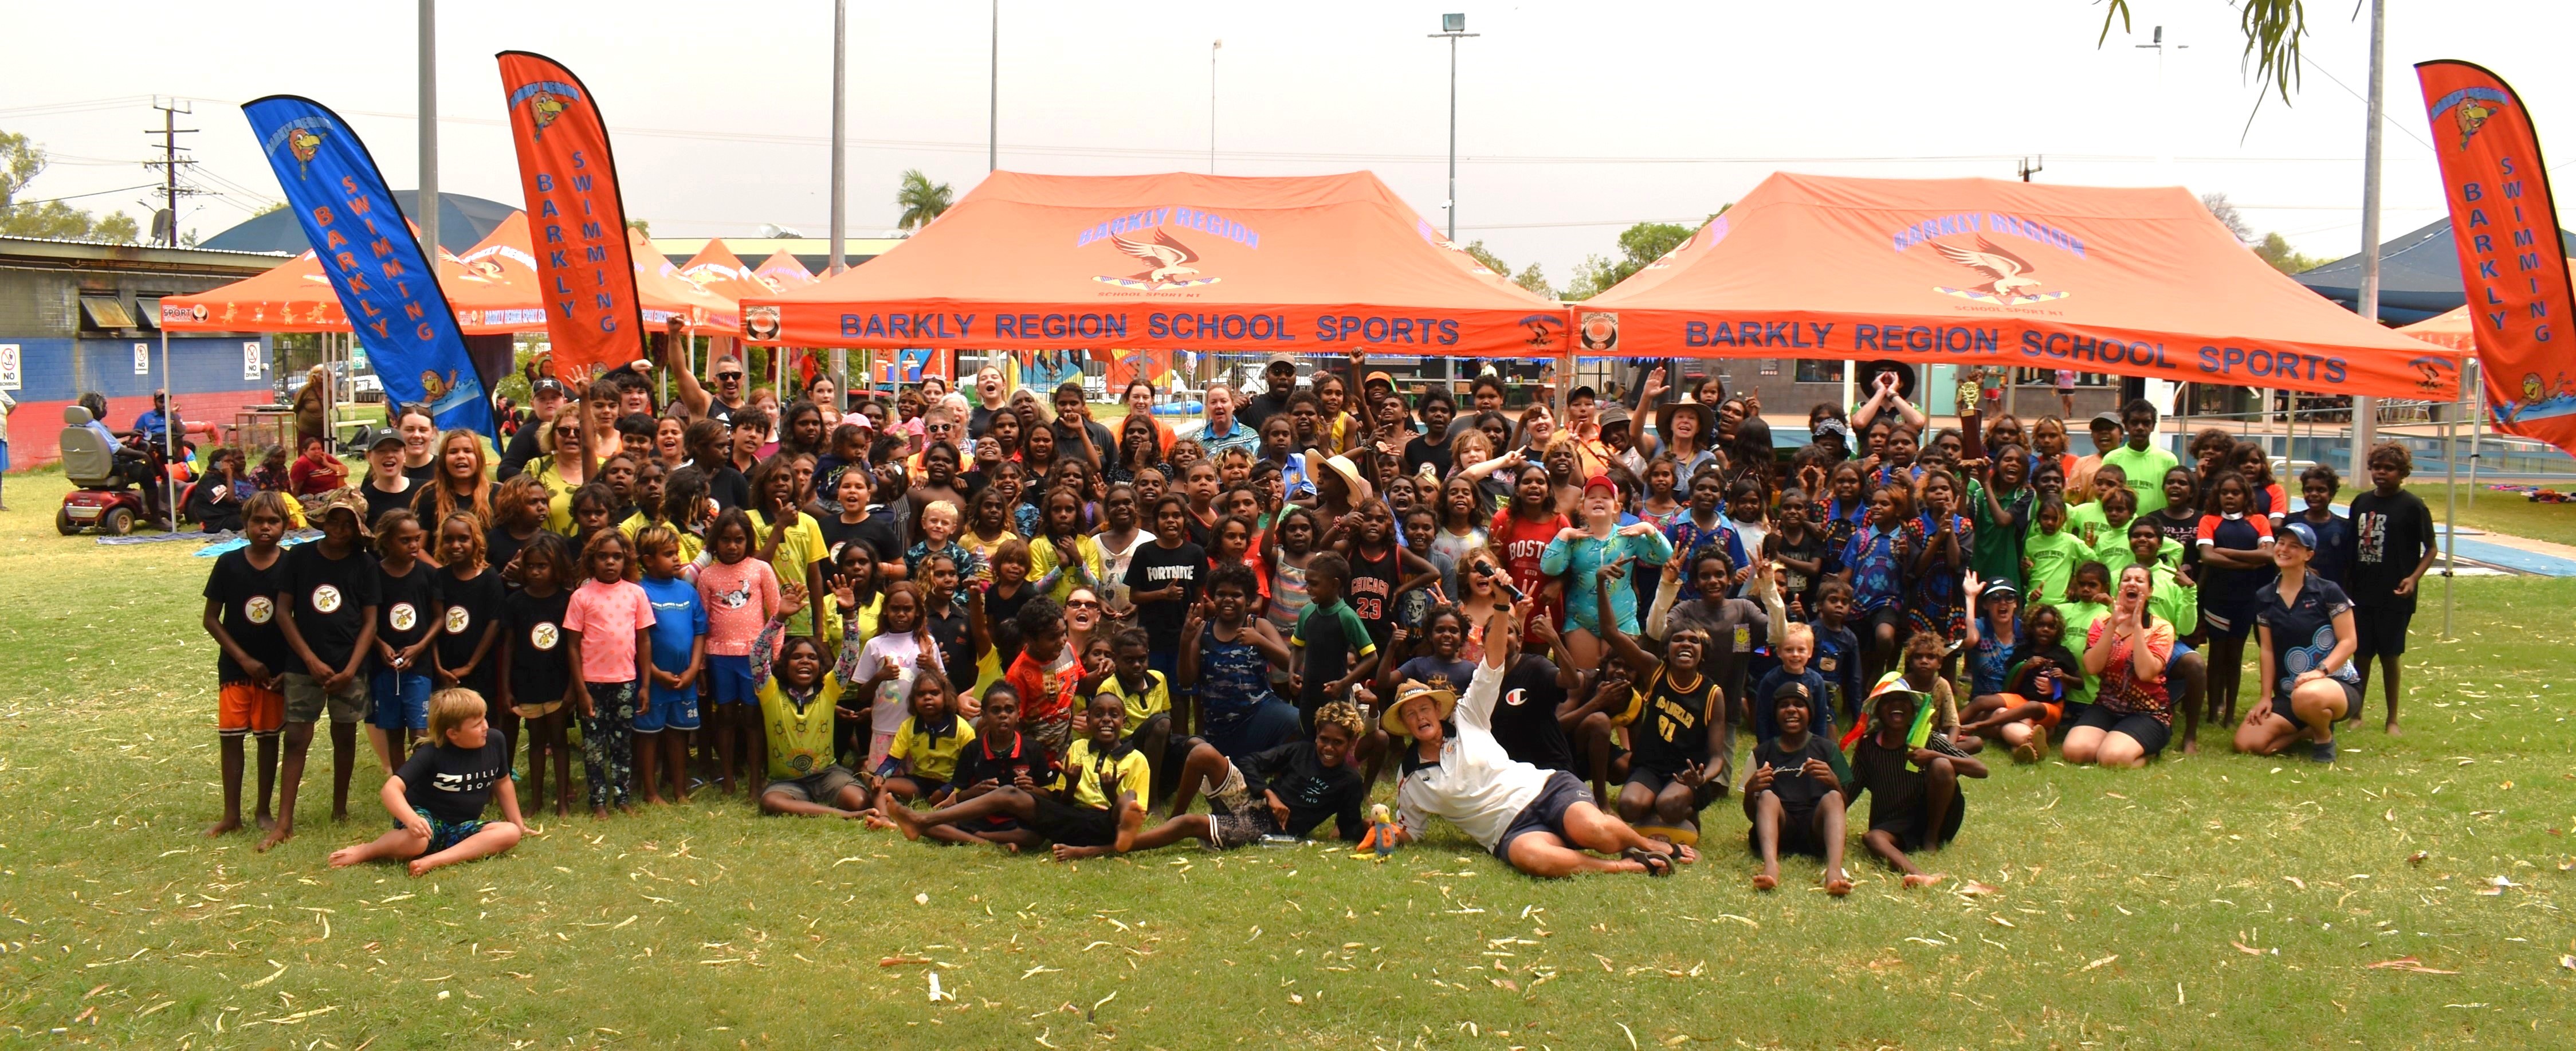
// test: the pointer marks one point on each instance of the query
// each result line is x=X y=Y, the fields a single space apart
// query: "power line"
x=92 y=193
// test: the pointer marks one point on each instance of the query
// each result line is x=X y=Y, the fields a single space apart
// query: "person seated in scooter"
x=134 y=466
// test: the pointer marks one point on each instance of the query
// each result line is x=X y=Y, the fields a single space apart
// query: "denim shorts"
x=401 y=700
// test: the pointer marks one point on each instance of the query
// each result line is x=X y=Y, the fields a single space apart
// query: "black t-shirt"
x=380 y=501
x=947 y=626
x=407 y=608
x=2302 y=632
x=985 y=759
x=1312 y=791
x=1153 y=567
x=1796 y=790
x=728 y=488
x=979 y=420
x=2184 y=531
x=1800 y=586
x=1524 y=718
x=1895 y=791
x=1671 y=733
x=2390 y=535
x=499 y=547
x=540 y=667
x=453 y=783
x=877 y=531
x=1428 y=449
x=1371 y=590
x=421 y=474
x=331 y=597
x=1259 y=407
x=472 y=607
x=249 y=598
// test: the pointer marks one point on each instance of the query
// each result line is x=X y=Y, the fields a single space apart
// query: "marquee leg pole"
x=169 y=437
x=2450 y=516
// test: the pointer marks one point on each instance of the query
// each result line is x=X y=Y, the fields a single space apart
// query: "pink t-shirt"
x=608 y=616
x=740 y=599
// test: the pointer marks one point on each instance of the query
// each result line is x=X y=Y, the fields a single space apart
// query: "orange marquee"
x=782 y=272
x=1315 y=264
x=2450 y=330
x=294 y=296
x=715 y=269
x=2138 y=282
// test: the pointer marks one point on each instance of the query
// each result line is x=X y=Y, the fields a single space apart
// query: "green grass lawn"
x=2209 y=901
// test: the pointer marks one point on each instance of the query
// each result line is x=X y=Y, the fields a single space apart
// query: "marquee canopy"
x=2451 y=329
x=1313 y=264
x=2138 y=282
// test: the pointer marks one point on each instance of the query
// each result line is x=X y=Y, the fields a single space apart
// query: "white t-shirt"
x=1476 y=785
x=887 y=712
x=1113 y=565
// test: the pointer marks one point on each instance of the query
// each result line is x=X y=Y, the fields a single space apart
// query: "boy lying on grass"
x=1091 y=809
x=437 y=797
x=1290 y=790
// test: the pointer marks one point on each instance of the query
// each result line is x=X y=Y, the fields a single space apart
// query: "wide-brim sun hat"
x=1316 y=463
x=1700 y=411
x=1445 y=701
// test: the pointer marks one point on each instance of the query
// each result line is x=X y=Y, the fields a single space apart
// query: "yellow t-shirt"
x=690 y=544
x=802 y=546
x=558 y=495
x=1133 y=773
x=1042 y=561
x=800 y=742
x=937 y=762
x=854 y=628
x=1141 y=705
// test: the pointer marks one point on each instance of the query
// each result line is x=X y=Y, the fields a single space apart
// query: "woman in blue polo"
x=2305 y=623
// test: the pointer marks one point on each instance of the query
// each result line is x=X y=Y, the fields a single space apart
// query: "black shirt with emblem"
x=247 y=595
x=1311 y=790
x=540 y=668
x=452 y=784
x=471 y=607
x=407 y=609
x=329 y=599
x=1524 y=718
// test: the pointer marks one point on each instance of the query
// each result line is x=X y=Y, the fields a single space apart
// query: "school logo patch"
x=259 y=609
x=1826 y=665
x=545 y=635
x=326 y=599
x=458 y=619
x=403 y=616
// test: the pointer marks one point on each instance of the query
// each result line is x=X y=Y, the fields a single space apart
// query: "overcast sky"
x=1574 y=119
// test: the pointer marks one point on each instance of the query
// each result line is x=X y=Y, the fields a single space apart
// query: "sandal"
x=1656 y=864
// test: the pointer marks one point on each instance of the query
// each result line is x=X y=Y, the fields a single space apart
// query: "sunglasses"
x=1082 y=603
x=729 y=376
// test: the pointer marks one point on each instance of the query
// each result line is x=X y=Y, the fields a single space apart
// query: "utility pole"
x=993 y=120
x=425 y=214
x=1213 y=47
x=1454 y=27
x=840 y=190
x=2365 y=410
x=2164 y=111
x=2030 y=168
x=165 y=223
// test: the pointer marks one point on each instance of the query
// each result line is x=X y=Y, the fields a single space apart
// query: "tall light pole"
x=1454 y=27
x=993 y=120
x=2364 y=410
x=1213 y=47
x=426 y=214
x=840 y=187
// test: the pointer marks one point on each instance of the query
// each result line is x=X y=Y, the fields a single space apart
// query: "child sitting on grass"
x=999 y=757
x=2032 y=701
x=1916 y=804
x=1088 y=812
x=1794 y=797
x=798 y=699
x=1287 y=791
x=923 y=755
x=437 y=796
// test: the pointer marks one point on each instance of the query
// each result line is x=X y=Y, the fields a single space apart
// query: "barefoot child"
x=470 y=593
x=1290 y=790
x=798 y=701
x=741 y=594
x=999 y=757
x=241 y=614
x=2392 y=549
x=537 y=680
x=1915 y=803
x=437 y=796
x=1091 y=807
x=328 y=616
x=1794 y=796
x=2032 y=701
x=923 y=758
x=900 y=653
x=608 y=628
x=670 y=712
x=407 y=600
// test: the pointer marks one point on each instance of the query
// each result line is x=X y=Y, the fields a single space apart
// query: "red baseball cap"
x=1600 y=481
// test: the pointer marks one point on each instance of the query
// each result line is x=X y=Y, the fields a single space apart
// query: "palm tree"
x=922 y=200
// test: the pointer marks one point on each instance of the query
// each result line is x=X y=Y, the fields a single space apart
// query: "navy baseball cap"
x=2300 y=531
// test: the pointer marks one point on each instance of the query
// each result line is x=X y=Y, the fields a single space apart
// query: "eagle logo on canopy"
x=2471 y=108
x=544 y=109
x=2009 y=281
x=1167 y=263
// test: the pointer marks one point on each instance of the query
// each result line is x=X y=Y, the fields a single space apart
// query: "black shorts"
x=1656 y=781
x=2351 y=700
x=2379 y=632
x=1912 y=826
x=1797 y=833
x=1583 y=762
x=1545 y=813
x=1073 y=826
x=1892 y=615
x=2144 y=729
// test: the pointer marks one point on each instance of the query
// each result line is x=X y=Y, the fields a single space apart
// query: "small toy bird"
x=1379 y=843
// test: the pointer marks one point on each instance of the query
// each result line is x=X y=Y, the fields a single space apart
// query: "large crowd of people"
x=981 y=616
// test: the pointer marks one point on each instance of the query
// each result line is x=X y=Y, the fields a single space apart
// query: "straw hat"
x=1707 y=432
x=1316 y=462
x=1415 y=690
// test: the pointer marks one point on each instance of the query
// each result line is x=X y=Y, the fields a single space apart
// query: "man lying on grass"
x=437 y=796
x=1540 y=821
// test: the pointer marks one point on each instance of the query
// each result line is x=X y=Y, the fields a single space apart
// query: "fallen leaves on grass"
x=2103 y=962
